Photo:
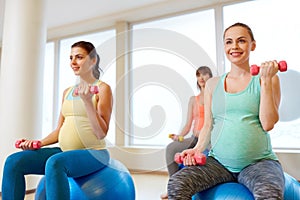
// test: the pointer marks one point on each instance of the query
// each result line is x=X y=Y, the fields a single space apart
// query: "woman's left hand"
x=84 y=91
x=268 y=69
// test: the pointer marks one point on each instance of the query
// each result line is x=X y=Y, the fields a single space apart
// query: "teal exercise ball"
x=112 y=182
x=236 y=191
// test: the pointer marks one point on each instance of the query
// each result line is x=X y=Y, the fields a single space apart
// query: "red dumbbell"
x=282 y=66
x=36 y=144
x=200 y=159
x=93 y=89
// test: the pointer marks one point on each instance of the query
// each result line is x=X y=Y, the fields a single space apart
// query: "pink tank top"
x=198 y=115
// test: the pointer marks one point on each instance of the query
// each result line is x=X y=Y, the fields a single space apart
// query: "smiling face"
x=80 y=61
x=237 y=44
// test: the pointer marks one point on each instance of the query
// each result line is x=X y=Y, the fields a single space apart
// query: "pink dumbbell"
x=282 y=66
x=93 y=89
x=36 y=144
x=200 y=159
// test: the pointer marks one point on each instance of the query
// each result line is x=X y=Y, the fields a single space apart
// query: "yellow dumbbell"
x=180 y=137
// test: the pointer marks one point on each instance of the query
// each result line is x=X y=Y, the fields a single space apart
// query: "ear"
x=94 y=60
x=253 y=45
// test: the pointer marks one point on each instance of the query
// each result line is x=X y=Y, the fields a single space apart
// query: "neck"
x=89 y=80
x=239 y=70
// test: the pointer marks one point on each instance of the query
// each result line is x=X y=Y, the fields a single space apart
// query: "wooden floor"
x=148 y=186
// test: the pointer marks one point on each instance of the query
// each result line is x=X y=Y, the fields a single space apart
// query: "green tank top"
x=237 y=137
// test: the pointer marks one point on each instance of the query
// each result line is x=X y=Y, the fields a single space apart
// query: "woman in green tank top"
x=240 y=109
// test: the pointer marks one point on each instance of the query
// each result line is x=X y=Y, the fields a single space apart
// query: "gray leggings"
x=265 y=179
x=175 y=147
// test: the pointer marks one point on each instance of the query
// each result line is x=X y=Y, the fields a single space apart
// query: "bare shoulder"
x=103 y=86
x=66 y=91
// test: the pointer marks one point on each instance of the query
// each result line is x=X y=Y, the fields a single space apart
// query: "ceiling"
x=62 y=12
x=65 y=12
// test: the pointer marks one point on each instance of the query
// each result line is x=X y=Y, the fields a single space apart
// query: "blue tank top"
x=237 y=137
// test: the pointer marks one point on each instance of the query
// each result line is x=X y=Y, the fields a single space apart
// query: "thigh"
x=176 y=146
x=265 y=179
x=30 y=161
x=77 y=163
x=192 y=179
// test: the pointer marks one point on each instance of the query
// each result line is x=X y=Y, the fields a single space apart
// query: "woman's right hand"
x=188 y=157
x=29 y=144
x=175 y=137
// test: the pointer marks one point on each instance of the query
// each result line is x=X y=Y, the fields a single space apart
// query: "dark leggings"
x=265 y=179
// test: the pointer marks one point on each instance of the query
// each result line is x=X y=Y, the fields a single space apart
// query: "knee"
x=172 y=187
x=171 y=149
x=176 y=184
x=268 y=191
x=177 y=190
x=53 y=164
x=13 y=162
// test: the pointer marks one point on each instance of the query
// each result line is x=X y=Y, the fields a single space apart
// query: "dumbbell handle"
x=200 y=159
x=282 y=66
x=93 y=89
x=36 y=144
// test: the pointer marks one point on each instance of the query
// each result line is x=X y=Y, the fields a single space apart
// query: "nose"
x=201 y=76
x=235 y=45
x=72 y=60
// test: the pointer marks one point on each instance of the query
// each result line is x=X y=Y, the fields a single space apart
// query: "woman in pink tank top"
x=195 y=116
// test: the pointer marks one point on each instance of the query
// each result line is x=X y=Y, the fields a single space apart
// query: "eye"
x=79 y=57
x=227 y=42
x=242 y=41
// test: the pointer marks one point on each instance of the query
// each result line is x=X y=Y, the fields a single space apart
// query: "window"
x=0 y=56
x=105 y=45
x=276 y=31
x=165 y=56
x=48 y=89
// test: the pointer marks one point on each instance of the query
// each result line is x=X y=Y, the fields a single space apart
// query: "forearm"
x=268 y=113
x=185 y=130
x=52 y=138
x=99 y=125
x=203 y=139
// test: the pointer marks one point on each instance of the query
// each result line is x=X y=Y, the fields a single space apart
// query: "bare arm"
x=189 y=119
x=270 y=95
x=204 y=136
x=205 y=133
x=100 y=117
x=52 y=138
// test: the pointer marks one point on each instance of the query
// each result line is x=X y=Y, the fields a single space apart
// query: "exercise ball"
x=225 y=191
x=236 y=191
x=292 y=188
x=112 y=182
